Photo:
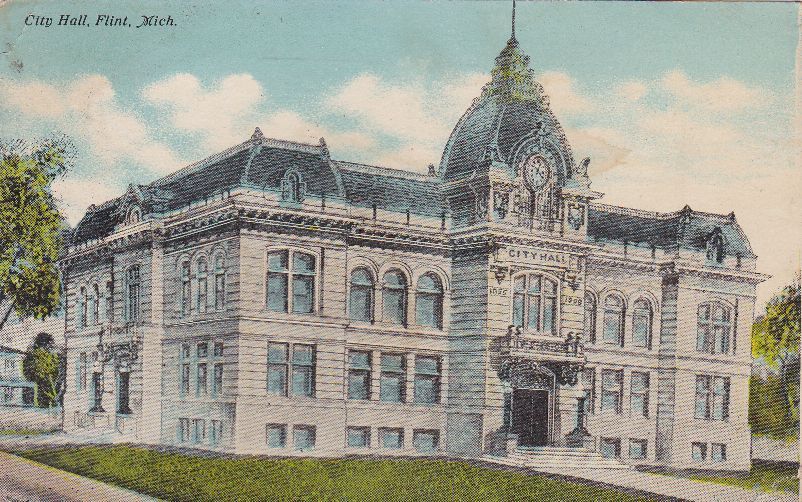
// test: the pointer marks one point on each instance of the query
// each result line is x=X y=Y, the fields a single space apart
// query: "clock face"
x=536 y=171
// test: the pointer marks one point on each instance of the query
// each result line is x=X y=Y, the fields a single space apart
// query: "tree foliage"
x=30 y=228
x=774 y=401
x=42 y=366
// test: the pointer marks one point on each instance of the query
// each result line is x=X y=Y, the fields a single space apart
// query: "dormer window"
x=134 y=215
x=715 y=246
x=292 y=188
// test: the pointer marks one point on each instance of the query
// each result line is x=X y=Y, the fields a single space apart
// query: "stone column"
x=150 y=425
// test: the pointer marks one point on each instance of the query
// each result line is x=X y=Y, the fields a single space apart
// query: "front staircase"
x=557 y=460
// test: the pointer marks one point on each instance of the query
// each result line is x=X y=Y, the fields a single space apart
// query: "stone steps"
x=560 y=459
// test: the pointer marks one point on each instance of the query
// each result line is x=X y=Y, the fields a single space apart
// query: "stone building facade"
x=272 y=300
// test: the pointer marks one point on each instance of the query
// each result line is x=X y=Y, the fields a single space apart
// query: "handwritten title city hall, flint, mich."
x=99 y=20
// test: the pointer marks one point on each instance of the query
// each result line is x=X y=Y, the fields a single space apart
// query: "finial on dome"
x=512 y=37
x=432 y=172
x=257 y=134
x=324 y=149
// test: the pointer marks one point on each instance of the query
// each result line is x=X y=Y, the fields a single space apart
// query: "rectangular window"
x=277 y=280
x=198 y=430
x=200 y=387
x=699 y=451
x=217 y=383
x=303 y=437
x=218 y=349
x=276 y=435
x=589 y=384
x=303 y=283
x=640 y=328
x=123 y=392
x=393 y=378
x=186 y=302
x=392 y=439
x=359 y=375
x=358 y=437
x=637 y=448
x=639 y=394
x=183 y=430
x=610 y=447
x=185 y=351
x=612 y=390
x=427 y=379
x=82 y=370
x=185 y=379
x=718 y=452
x=216 y=432
x=712 y=397
x=518 y=299
x=203 y=349
x=277 y=368
x=425 y=441
x=303 y=370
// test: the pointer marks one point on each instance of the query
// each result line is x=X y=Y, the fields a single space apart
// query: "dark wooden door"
x=530 y=416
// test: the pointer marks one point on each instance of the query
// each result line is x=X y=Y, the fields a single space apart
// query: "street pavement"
x=28 y=481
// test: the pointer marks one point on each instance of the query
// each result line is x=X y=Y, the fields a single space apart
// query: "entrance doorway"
x=530 y=416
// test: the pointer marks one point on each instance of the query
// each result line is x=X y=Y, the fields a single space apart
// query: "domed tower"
x=508 y=161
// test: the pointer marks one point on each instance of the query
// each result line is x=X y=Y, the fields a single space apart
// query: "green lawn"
x=765 y=476
x=176 y=476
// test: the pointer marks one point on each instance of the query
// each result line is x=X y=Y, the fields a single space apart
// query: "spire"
x=512 y=37
x=512 y=77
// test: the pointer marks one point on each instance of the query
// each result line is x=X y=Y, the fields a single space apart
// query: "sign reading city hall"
x=526 y=257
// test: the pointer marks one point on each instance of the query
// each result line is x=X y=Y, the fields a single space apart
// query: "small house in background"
x=15 y=390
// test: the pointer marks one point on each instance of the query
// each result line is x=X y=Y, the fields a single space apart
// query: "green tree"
x=775 y=339
x=43 y=366
x=30 y=228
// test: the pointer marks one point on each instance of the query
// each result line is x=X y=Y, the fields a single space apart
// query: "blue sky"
x=675 y=103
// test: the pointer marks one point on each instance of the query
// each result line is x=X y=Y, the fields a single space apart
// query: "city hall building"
x=273 y=300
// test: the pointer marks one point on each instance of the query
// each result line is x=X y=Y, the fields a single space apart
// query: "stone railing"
x=518 y=343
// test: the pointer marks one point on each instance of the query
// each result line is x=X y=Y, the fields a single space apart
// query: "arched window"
x=219 y=282
x=361 y=301
x=95 y=304
x=294 y=268
x=590 y=317
x=535 y=303
x=429 y=301
x=394 y=294
x=715 y=246
x=202 y=279
x=186 y=290
x=292 y=188
x=134 y=215
x=613 y=330
x=642 y=323
x=132 y=303
x=82 y=306
x=714 y=328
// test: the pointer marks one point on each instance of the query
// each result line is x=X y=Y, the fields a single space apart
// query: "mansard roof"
x=391 y=189
x=262 y=163
x=686 y=228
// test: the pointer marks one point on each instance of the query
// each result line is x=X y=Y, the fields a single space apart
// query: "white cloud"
x=563 y=96
x=76 y=194
x=632 y=90
x=722 y=94
x=88 y=110
x=223 y=115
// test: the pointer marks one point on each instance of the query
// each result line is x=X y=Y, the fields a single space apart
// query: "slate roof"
x=263 y=163
x=391 y=189
x=685 y=228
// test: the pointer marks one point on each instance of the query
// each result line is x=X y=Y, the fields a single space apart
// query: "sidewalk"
x=22 y=479
x=667 y=486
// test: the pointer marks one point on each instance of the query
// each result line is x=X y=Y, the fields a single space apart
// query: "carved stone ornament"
x=576 y=216
x=525 y=373
x=567 y=373
x=481 y=207
x=501 y=203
